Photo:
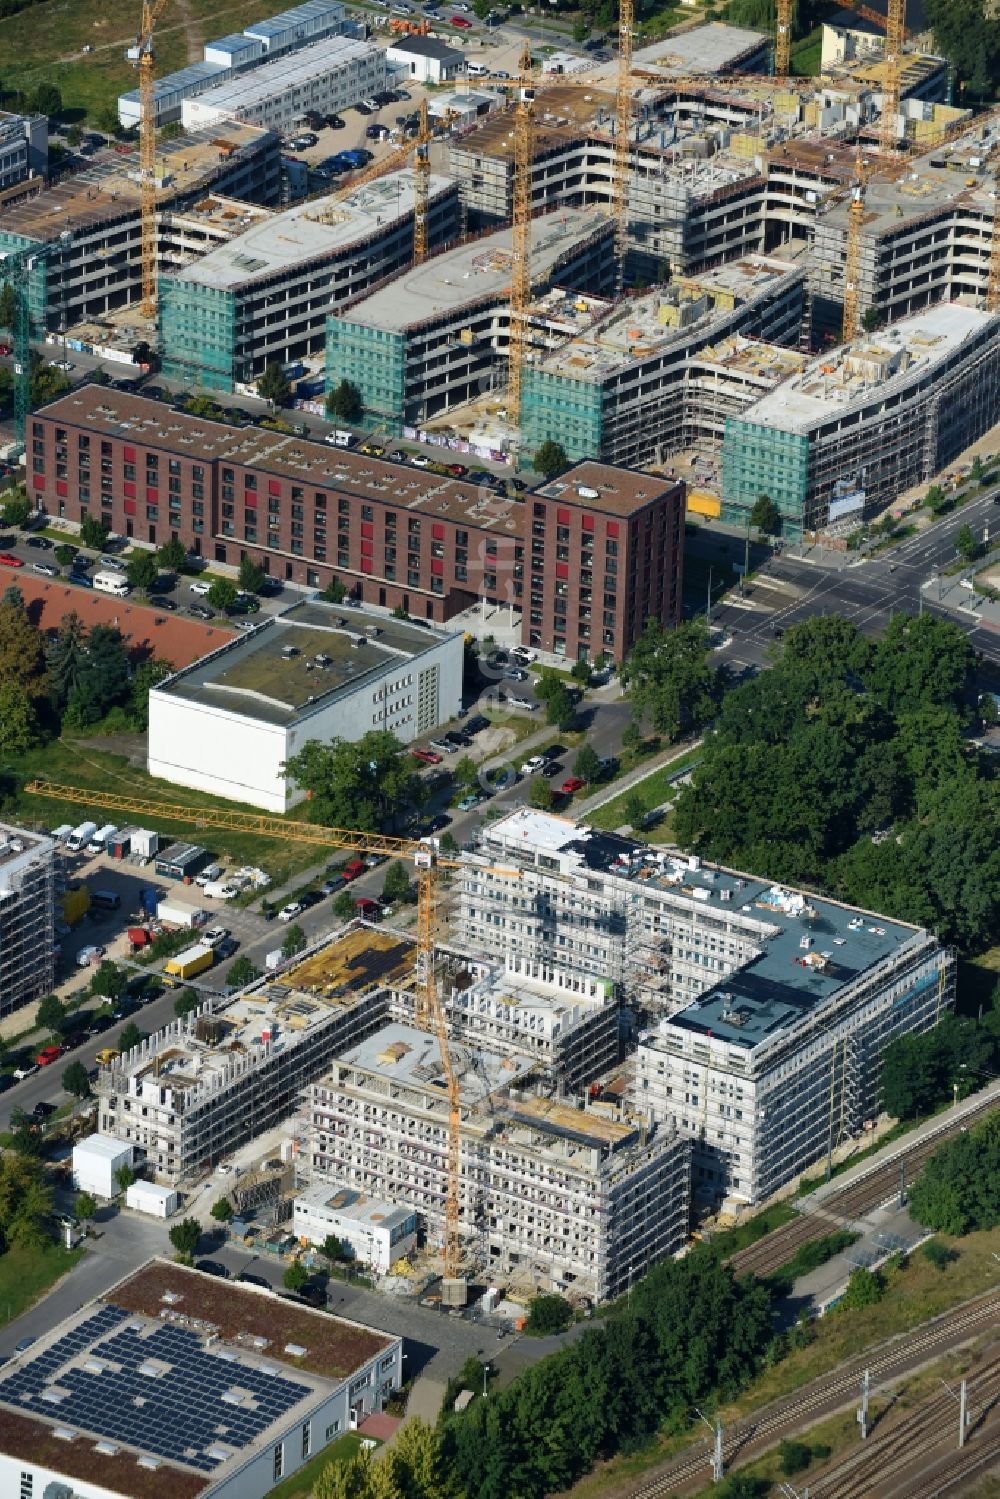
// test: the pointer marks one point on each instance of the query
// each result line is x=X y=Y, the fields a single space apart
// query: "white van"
x=112 y=583
x=99 y=842
x=477 y=69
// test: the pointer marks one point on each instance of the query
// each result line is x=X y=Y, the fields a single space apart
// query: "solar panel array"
x=181 y=1414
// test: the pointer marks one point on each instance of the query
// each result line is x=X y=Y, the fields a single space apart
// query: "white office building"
x=374 y=1233
x=24 y=148
x=328 y=76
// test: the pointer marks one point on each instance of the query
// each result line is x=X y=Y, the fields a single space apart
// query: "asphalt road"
x=866 y=592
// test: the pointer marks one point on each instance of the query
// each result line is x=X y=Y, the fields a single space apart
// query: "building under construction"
x=27 y=916
x=91 y=220
x=209 y=1082
x=659 y=372
x=745 y=985
x=264 y=295
x=554 y=1194
x=437 y=335
x=834 y=443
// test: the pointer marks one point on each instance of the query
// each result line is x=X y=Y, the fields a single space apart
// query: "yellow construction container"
x=703 y=502
x=191 y=961
x=75 y=904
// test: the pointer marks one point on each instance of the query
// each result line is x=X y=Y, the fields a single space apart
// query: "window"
x=331 y=1431
x=306 y=1439
x=279 y=1461
x=27 y=1485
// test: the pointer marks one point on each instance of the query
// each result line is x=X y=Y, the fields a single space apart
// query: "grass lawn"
x=299 y=1486
x=521 y=725
x=806 y=54
x=652 y=792
x=66 y=761
x=26 y=1274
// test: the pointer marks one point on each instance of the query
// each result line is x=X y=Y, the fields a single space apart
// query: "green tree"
x=124 y=1177
x=85 y=1207
x=293 y=941
x=560 y=708
x=172 y=555
x=46 y=100
x=872 y=318
x=93 y=534
x=357 y=784
x=334 y=592
x=466 y=773
x=550 y=459
x=937 y=1254
x=143 y=571
x=966 y=33
x=332 y=1249
x=75 y=1080
x=22 y=648
x=587 y=764
x=976 y=470
x=222 y=593
x=105 y=677
x=253 y=578
x=64 y=554
x=222 y=1210
x=131 y=1037
x=185 y=1236
x=146 y=676
x=242 y=971
x=17 y=508
x=581 y=671
x=20 y=729
x=541 y=794
x=958 y=1191
x=296 y=1276
x=864 y=1288
x=343 y=905
x=8 y=306
x=109 y=981
x=51 y=1014
x=547 y=1315
x=635 y=810
x=669 y=679
x=273 y=386
x=397 y=885
x=795 y=1457
x=765 y=516
x=936 y=499
x=187 y=1000
x=965 y=542
x=344 y=402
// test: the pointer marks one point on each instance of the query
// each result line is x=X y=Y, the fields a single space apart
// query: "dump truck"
x=191 y=961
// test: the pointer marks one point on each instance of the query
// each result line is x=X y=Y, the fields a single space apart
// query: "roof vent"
x=296 y=1350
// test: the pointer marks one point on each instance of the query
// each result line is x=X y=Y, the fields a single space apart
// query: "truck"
x=81 y=836
x=179 y=913
x=101 y=838
x=191 y=961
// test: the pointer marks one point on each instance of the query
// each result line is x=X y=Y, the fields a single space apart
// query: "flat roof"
x=425 y=46
x=476 y=271
x=296 y=68
x=109 y=188
x=313 y=230
x=808 y=946
x=642 y=326
x=410 y=1057
x=861 y=370
x=100 y=1397
x=618 y=491
x=336 y=652
x=298 y=15
x=711 y=48
x=367 y=1211
x=133 y=418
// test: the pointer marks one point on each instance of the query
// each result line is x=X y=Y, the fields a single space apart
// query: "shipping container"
x=178 y=913
x=191 y=961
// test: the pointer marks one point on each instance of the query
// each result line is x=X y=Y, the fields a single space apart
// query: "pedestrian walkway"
x=425 y=1399
x=611 y=792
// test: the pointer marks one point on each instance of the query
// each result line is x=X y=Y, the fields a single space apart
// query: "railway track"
x=893 y=1451
x=953 y=1476
x=828 y=1394
x=853 y=1201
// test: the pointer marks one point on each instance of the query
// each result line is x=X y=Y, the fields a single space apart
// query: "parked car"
x=476 y=724
x=200 y=588
x=213 y=935
x=461 y=22
x=522 y=702
x=39 y=543
x=515 y=674
x=48 y=1055
x=468 y=802
x=289 y=912
x=551 y=768
x=160 y=601
x=212 y=1267
x=47 y=569
x=6 y=350
x=530 y=766
x=63 y=364
x=7 y=559
x=571 y=784
x=311 y=898
x=442 y=746
x=435 y=825
x=352 y=869
x=426 y=757
x=25 y=1069
x=201 y=611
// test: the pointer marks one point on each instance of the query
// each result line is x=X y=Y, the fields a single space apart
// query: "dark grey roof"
x=425 y=46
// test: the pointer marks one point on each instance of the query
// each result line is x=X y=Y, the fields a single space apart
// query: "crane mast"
x=421 y=186
x=623 y=127
x=783 y=39
x=852 y=256
x=143 y=54
x=520 y=279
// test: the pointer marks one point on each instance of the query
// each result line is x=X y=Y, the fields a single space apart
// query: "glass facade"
x=198 y=333
x=760 y=460
x=372 y=359
x=567 y=411
x=37 y=280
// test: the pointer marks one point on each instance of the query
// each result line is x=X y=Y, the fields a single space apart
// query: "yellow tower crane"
x=895 y=35
x=520 y=273
x=852 y=255
x=426 y=861
x=623 y=128
x=783 y=39
x=421 y=186
x=144 y=56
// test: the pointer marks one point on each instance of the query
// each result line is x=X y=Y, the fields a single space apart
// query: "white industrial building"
x=95 y=1161
x=151 y=1198
x=205 y=1084
x=232 y=54
x=375 y=1233
x=229 y=723
x=327 y=76
x=27 y=917
x=24 y=148
x=769 y=1010
x=552 y=1196
x=425 y=59
x=178 y=1385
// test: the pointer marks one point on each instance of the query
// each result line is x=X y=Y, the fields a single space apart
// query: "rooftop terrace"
x=476 y=271
x=259 y=677
x=857 y=371
x=313 y=230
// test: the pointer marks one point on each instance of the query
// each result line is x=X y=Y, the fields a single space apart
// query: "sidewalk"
x=634 y=777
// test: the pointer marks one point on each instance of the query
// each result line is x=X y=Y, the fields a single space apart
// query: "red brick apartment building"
x=586 y=559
